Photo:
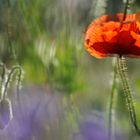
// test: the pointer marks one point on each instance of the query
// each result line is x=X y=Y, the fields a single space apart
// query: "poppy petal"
x=108 y=35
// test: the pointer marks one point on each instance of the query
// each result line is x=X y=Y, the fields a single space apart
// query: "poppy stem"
x=125 y=10
x=124 y=13
x=110 y=125
x=122 y=69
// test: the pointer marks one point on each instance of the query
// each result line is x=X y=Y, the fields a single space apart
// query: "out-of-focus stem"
x=2 y=66
x=110 y=125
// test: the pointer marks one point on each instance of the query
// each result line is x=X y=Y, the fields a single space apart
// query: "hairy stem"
x=122 y=69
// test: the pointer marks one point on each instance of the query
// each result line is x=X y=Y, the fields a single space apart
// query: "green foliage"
x=63 y=71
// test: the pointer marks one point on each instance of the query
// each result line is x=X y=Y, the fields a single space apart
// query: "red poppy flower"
x=108 y=35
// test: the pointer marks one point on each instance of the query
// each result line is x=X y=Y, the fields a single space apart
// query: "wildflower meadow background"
x=64 y=92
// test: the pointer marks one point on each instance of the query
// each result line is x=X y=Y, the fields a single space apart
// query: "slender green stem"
x=122 y=69
x=110 y=125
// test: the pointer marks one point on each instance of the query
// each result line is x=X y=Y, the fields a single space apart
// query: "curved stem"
x=110 y=125
x=122 y=69
x=9 y=78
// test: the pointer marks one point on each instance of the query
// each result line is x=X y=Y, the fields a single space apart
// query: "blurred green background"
x=45 y=37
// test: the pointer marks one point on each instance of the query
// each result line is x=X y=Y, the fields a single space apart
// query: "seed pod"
x=6 y=113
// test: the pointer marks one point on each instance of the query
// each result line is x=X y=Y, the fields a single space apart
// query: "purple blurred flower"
x=36 y=109
x=92 y=128
x=37 y=114
x=93 y=131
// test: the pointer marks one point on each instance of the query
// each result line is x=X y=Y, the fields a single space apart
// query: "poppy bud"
x=5 y=112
